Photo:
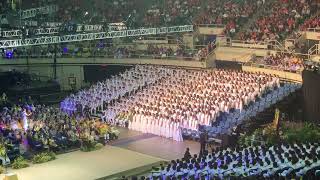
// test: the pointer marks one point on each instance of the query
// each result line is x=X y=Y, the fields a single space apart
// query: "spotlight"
x=65 y=50
x=9 y=54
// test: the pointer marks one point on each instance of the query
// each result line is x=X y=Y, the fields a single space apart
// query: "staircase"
x=314 y=53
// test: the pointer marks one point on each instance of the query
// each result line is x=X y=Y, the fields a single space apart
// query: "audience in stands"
x=278 y=161
x=229 y=13
x=172 y=12
x=282 y=19
x=166 y=51
x=278 y=18
x=283 y=62
x=311 y=23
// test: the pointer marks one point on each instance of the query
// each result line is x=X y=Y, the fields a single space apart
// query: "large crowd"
x=229 y=13
x=116 y=51
x=313 y=22
x=27 y=128
x=256 y=162
x=111 y=89
x=283 y=62
x=279 y=20
x=195 y=98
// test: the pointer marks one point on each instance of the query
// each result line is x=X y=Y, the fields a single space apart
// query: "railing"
x=51 y=31
x=314 y=29
x=258 y=65
x=270 y=45
x=110 y=56
x=293 y=40
x=211 y=25
x=246 y=44
x=35 y=76
x=314 y=50
x=93 y=36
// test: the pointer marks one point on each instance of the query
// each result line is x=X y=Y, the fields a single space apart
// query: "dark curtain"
x=228 y=65
x=311 y=95
x=94 y=73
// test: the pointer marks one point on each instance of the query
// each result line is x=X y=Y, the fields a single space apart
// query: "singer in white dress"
x=25 y=119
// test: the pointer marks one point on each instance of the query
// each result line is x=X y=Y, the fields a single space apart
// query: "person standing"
x=25 y=119
x=203 y=141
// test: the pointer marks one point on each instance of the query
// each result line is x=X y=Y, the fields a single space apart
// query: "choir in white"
x=162 y=100
x=113 y=88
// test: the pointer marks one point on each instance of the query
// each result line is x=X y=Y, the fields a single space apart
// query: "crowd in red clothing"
x=229 y=13
x=283 y=18
x=311 y=23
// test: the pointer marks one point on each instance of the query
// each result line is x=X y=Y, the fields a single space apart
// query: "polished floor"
x=133 y=149
x=86 y=165
x=154 y=145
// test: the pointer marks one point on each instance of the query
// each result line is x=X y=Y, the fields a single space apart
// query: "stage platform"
x=132 y=150
x=154 y=145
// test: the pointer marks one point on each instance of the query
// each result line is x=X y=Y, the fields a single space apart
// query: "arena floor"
x=154 y=145
x=131 y=150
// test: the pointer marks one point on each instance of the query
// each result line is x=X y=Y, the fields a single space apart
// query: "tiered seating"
x=94 y=12
x=256 y=162
x=230 y=13
x=195 y=97
x=285 y=16
x=228 y=121
x=311 y=23
x=282 y=62
x=172 y=12
x=114 y=88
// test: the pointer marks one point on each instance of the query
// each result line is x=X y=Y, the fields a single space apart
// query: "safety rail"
x=211 y=25
x=313 y=29
x=50 y=31
x=265 y=66
x=110 y=56
x=314 y=50
x=270 y=45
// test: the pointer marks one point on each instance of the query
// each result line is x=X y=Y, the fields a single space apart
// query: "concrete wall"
x=46 y=72
x=73 y=67
x=295 y=77
x=211 y=30
x=313 y=35
x=239 y=54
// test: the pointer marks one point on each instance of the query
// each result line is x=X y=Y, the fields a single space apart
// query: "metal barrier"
x=314 y=50
x=93 y=36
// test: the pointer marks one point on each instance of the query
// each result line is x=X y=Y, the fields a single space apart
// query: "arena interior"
x=159 y=89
